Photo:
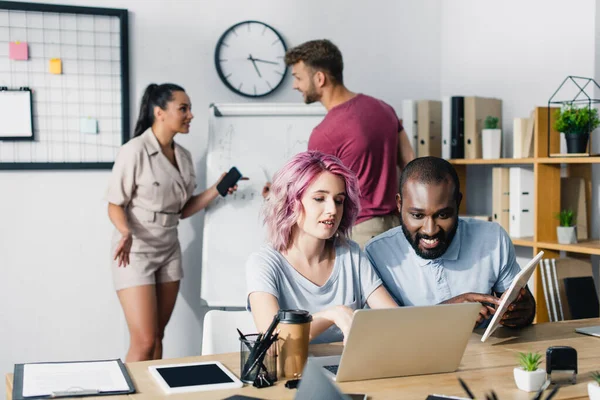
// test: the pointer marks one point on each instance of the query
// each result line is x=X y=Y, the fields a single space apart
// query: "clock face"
x=250 y=59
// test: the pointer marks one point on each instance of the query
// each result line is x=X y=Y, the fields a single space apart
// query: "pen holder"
x=268 y=365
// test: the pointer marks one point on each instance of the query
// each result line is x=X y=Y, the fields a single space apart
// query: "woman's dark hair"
x=154 y=95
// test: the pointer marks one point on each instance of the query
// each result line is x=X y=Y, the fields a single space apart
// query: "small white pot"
x=529 y=381
x=491 y=143
x=594 y=391
x=566 y=234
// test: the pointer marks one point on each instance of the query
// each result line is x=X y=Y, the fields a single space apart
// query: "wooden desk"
x=484 y=366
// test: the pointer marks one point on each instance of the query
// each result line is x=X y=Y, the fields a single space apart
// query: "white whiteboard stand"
x=257 y=139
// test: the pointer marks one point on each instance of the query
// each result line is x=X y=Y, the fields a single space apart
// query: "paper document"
x=46 y=379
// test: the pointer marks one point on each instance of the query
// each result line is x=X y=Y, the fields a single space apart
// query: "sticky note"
x=88 y=125
x=18 y=51
x=55 y=66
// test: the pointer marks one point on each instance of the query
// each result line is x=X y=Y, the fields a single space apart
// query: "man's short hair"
x=430 y=170
x=320 y=55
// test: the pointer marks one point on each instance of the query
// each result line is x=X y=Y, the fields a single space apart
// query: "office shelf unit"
x=547 y=174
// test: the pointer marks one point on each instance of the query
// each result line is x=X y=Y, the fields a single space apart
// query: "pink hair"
x=283 y=206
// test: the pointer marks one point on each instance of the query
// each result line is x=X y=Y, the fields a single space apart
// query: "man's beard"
x=444 y=240
x=311 y=95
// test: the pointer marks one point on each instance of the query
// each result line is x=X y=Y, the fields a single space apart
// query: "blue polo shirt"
x=480 y=259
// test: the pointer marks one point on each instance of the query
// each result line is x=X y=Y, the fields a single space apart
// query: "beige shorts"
x=366 y=230
x=149 y=269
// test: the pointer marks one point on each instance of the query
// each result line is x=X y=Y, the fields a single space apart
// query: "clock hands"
x=254 y=63
x=265 y=61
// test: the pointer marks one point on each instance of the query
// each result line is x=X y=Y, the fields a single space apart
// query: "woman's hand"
x=231 y=189
x=341 y=316
x=123 y=249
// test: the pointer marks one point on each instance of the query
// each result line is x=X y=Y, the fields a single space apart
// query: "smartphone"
x=228 y=181
x=356 y=396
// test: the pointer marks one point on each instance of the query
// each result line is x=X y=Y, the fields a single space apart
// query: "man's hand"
x=488 y=303
x=266 y=189
x=520 y=312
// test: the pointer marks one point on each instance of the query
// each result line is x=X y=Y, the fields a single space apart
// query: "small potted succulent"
x=528 y=376
x=577 y=123
x=566 y=232
x=491 y=138
x=594 y=387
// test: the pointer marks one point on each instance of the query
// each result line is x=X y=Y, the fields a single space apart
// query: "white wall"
x=520 y=52
x=56 y=294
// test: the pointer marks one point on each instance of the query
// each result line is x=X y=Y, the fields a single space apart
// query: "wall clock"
x=249 y=58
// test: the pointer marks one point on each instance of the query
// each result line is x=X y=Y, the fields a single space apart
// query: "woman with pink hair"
x=309 y=263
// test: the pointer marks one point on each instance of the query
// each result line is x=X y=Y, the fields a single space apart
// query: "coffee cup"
x=294 y=335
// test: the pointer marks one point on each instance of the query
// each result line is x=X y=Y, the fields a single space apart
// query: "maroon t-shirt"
x=363 y=133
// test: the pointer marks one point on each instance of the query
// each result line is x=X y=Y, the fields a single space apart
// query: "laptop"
x=590 y=330
x=403 y=341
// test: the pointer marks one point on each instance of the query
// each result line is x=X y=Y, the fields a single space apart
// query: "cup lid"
x=294 y=316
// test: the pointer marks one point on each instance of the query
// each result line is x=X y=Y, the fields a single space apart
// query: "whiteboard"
x=257 y=139
x=15 y=114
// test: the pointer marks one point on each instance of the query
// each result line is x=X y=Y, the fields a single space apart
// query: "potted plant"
x=576 y=123
x=566 y=232
x=594 y=387
x=528 y=376
x=491 y=138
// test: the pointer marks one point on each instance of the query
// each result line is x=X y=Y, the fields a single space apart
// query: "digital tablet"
x=512 y=293
x=194 y=377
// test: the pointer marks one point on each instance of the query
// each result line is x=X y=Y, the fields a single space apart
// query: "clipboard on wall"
x=16 y=114
x=47 y=380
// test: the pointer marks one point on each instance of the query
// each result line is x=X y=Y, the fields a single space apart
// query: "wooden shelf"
x=583 y=247
x=524 y=241
x=480 y=161
x=568 y=160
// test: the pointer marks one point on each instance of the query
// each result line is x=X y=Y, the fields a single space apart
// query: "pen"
x=553 y=392
x=74 y=392
x=243 y=337
x=266 y=175
x=466 y=388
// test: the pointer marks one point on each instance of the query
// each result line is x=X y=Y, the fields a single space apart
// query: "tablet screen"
x=193 y=375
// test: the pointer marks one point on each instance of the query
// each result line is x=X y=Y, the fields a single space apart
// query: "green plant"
x=596 y=377
x=530 y=361
x=491 y=122
x=576 y=120
x=566 y=218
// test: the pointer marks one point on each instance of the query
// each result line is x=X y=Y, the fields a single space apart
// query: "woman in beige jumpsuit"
x=151 y=188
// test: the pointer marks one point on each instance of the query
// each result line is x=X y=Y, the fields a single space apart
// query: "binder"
x=429 y=128
x=528 y=138
x=519 y=130
x=546 y=289
x=477 y=109
x=17 y=393
x=457 y=127
x=446 y=128
x=521 y=202
x=568 y=268
x=409 y=122
x=501 y=197
x=582 y=298
x=551 y=294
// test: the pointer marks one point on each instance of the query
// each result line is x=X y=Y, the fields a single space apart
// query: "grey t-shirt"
x=352 y=281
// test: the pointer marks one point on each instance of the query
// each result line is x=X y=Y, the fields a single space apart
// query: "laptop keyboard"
x=332 y=368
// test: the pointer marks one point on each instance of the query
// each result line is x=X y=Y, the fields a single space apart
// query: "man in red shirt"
x=362 y=131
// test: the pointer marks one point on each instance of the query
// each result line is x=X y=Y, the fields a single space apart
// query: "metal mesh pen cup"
x=268 y=365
